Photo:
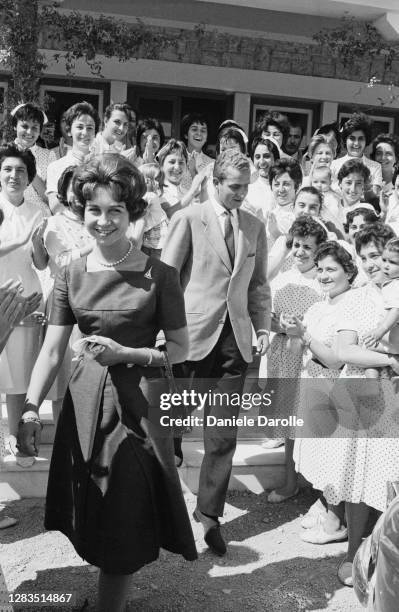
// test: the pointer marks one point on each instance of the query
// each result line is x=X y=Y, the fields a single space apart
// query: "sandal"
x=7 y=521
x=273 y=443
x=318 y=535
x=313 y=515
x=344 y=573
x=277 y=498
x=23 y=461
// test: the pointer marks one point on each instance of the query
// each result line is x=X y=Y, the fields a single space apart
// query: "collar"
x=220 y=210
x=6 y=204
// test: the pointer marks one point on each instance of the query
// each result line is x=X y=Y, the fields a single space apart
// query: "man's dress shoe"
x=212 y=535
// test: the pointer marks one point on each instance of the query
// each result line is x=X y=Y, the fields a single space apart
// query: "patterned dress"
x=363 y=456
x=314 y=456
x=293 y=293
x=43 y=158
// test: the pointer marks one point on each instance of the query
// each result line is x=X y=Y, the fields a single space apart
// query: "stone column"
x=242 y=109
x=329 y=112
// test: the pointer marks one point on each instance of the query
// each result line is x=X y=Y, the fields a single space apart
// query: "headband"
x=19 y=106
x=363 y=205
x=235 y=126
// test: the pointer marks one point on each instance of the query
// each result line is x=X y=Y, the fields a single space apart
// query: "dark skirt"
x=113 y=486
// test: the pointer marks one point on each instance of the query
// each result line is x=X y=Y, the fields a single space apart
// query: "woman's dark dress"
x=113 y=487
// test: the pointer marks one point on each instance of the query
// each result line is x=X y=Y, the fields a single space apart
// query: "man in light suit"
x=221 y=254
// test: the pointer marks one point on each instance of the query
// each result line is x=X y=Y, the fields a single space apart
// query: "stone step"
x=17 y=482
x=254 y=469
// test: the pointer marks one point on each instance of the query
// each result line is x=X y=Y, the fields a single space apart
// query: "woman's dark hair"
x=149 y=124
x=286 y=165
x=377 y=233
x=28 y=111
x=395 y=175
x=113 y=172
x=304 y=226
x=81 y=108
x=329 y=127
x=1 y=216
x=340 y=255
x=189 y=120
x=353 y=165
x=357 y=122
x=62 y=186
x=390 y=139
x=123 y=107
x=368 y=215
x=231 y=133
x=172 y=146
x=269 y=144
x=275 y=119
x=312 y=190
x=11 y=150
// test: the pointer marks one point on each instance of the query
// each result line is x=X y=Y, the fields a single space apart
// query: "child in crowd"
x=353 y=177
x=149 y=232
x=332 y=209
x=390 y=294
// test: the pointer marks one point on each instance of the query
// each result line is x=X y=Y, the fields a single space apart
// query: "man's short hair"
x=230 y=159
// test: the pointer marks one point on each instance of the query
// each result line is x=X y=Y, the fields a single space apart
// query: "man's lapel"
x=214 y=234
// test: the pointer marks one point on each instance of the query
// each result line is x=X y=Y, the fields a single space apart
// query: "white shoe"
x=277 y=498
x=314 y=515
x=273 y=443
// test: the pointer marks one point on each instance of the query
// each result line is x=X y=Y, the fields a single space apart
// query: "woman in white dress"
x=27 y=121
x=264 y=153
x=64 y=239
x=362 y=459
x=17 y=169
x=12 y=310
x=336 y=272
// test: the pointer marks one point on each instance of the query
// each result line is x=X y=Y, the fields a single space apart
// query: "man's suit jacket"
x=195 y=246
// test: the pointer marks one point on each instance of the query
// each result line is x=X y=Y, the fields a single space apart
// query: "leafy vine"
x=356 y=40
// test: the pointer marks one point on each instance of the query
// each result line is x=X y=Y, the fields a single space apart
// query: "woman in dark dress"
x=113 y=487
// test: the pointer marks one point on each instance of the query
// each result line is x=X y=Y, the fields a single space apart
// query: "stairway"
x=254 y=468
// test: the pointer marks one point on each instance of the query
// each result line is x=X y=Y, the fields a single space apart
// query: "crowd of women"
x=81 y=236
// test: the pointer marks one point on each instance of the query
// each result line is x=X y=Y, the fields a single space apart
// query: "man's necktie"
x=229 y=236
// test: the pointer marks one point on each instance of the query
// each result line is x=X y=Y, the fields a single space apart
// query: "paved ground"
x=267 y=569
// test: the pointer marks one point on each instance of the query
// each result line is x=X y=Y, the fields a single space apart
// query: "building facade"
x=237 y=58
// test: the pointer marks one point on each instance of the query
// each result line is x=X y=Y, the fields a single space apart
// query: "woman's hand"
x=105 y=351
x=11 y=311
x=29 y=432
x=149 y=153
x=273 y=227
x=32 y=302
x=38 y=232
x=191 y=164
x=294 y=326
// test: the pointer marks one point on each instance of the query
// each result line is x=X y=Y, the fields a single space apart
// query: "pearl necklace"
x=116 y=263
